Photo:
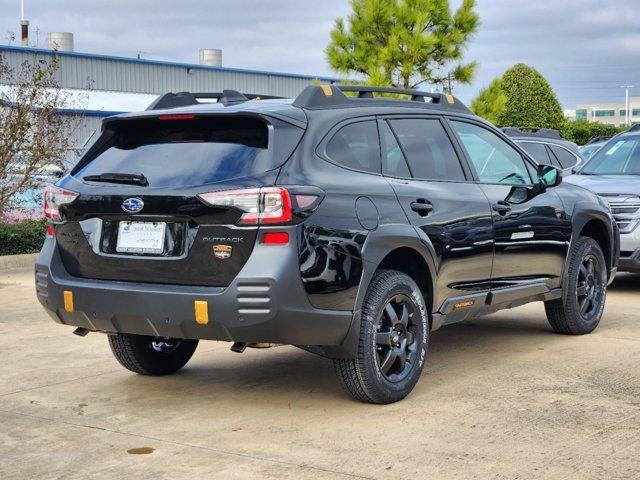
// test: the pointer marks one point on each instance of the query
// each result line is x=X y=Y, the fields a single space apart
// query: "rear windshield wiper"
x=127 y=178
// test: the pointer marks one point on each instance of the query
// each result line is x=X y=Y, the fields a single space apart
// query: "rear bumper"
x=266 y=302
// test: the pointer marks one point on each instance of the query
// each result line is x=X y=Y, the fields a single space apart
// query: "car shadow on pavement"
x=287 y=374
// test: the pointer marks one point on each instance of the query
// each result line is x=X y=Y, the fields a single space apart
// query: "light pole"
x=593 y=113
x=627 y=105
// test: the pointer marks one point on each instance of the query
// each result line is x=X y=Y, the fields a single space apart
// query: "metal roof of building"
x=144 y=61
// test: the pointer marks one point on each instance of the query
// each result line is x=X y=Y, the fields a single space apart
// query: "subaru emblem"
x=132 y=205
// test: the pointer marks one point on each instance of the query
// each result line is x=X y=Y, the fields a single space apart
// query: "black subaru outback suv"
x=347 y=225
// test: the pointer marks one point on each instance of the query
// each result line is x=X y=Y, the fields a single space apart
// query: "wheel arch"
x=596 y=224
x=403 y=248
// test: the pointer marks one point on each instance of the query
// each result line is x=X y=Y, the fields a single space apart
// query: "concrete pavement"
x=501 y=397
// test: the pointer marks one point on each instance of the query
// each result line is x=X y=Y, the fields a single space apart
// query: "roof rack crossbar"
x=367 y=92
x=184 y=99
x=328 y=96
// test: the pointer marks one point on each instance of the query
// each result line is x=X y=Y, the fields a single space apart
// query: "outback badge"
x=222 y=251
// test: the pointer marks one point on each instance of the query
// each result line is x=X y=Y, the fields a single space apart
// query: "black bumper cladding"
x=266 y=302
x=630 y=263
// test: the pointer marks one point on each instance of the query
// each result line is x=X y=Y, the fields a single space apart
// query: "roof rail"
x=537 y=133
x=184 y=99
x=599 y=138
x=326 y=96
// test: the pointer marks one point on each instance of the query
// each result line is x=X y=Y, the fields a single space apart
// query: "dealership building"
x=119 y=84
x=610 y=113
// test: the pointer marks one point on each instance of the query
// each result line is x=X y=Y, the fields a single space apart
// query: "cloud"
x=586 y=48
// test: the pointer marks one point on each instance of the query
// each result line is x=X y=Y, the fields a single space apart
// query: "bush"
x=581 y=131
x=24 y=237
x=530 y=101
x=521 y=98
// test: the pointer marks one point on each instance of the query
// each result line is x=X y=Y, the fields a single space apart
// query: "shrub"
x=519 y=98
x=24 y=237
x=531 y=103
x=581 y=131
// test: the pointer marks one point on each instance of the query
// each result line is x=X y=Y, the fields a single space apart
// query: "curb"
x=26 y=260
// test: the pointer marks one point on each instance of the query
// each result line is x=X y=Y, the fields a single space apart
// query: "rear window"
x=180 y=153
x=429 y=151
x=565 y=157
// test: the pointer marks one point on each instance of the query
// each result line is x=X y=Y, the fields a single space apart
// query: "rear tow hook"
x=81 y=331
x=238 y=347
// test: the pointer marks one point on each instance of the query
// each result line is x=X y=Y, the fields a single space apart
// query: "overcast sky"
x=587 y=49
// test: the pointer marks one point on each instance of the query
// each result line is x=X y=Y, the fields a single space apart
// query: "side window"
x=356 y=146
x=537 y=151
x=393 y=161
x=429 y=151
x=494 y=159
x=566 y=158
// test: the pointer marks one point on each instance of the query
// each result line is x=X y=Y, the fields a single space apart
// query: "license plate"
x=141 y=237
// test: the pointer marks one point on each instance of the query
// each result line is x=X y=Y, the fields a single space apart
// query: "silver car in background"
x=614 y=174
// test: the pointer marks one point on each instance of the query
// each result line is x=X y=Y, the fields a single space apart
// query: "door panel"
x=455 y=215
x=531 y=228
x=532 y=234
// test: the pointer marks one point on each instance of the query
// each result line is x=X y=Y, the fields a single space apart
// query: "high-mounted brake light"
x=260 y=206
x=54 y=198
x=177 y=116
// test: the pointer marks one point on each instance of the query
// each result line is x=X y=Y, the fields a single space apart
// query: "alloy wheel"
x=396 y=346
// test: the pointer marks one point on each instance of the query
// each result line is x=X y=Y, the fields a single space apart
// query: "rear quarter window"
x=356 y=146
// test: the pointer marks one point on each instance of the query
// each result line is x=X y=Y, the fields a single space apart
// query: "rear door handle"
x=503 y=208
x=422 y=207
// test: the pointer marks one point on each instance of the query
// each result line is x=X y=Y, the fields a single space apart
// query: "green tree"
x=522 y=98
x=491 y=102
x=530 y=100
x=404 y=43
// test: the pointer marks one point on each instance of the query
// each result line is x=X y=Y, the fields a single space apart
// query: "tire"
x=394 y=325
x=149 y=355
x=585 y=290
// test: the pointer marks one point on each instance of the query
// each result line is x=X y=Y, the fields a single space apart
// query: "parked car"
x=547 y=147
x=592 y=146
x=351 y=227
x=614 y=174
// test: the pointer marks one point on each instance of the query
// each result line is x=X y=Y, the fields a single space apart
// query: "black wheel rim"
x=164 y=345
x=396 y=339
x=591 y=286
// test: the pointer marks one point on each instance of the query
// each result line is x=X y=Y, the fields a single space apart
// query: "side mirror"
x=549 y=176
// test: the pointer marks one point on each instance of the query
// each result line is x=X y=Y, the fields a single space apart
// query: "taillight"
x=54 y=198
x=260 y=206
x=51 y=230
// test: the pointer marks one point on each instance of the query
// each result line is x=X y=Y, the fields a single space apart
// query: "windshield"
x=185 y=153
x=588 y=152
x=620 y=156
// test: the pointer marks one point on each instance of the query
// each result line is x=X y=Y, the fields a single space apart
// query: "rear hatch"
x=139 y=215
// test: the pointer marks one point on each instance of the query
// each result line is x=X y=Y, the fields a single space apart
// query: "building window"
x=606 y=113
x=581 y=114
x=635 y=112
x=623 y=113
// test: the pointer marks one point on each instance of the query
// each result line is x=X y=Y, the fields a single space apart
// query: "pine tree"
x=491 y=102
x=405 y=43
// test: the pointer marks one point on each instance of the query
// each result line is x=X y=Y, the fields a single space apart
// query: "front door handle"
x=503 y=208
x=422 y=207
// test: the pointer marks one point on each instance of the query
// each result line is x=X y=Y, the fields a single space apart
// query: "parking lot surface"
x=501 y=397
